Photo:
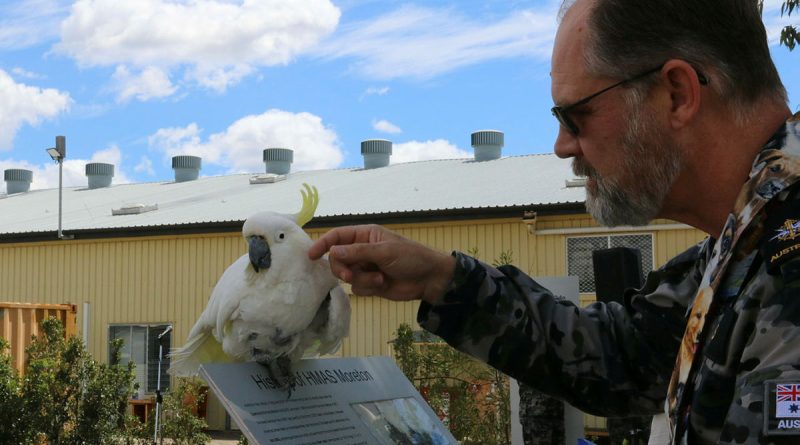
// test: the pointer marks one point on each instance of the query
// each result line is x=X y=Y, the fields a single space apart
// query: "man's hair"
x=723 y=39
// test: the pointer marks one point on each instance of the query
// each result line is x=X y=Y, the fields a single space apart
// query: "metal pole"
x=158 y=391
x=61 y=154
x=158 y=385
x=86 y=309
x=60 y=175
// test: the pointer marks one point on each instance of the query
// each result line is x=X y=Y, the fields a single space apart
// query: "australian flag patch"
x=782 y=407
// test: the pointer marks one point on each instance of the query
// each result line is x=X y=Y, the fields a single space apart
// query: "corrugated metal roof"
x=425 y=186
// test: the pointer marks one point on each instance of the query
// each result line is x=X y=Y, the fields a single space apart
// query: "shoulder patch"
x=781 y=235
x=782 y=407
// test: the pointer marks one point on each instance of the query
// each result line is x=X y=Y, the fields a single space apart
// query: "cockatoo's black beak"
x=260 y=255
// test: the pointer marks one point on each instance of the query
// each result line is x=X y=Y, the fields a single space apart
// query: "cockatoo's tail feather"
x=310 y=202
x=204 y=348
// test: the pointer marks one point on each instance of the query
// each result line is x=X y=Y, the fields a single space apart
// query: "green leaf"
x=790 y=37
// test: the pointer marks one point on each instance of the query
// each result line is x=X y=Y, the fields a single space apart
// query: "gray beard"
x=635 y=195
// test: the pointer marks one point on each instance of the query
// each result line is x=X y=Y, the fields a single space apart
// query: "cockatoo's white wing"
x=204 y=343
x=232 y=288
x=330 y=325
x=338 y=326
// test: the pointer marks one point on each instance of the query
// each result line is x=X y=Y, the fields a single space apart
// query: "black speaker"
x=615 y=270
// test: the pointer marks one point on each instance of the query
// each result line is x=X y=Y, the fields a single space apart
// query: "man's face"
x=633 y=192
x=629 y=158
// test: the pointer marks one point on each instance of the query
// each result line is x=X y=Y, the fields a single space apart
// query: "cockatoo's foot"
x=280 y=371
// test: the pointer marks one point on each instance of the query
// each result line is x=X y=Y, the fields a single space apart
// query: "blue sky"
x=134 y=83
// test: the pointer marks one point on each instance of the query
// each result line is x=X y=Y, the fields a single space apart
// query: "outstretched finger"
x=370 y=256
x=340 y=236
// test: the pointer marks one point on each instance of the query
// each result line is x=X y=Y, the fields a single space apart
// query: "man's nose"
x=566 y=145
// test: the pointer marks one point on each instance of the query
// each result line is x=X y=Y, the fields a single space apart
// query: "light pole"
x=58 y=153
x=158 y=383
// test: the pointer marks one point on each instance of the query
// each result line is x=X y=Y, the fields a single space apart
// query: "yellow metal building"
x=131 y=275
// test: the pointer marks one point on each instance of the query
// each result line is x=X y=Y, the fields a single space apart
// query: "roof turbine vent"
x=18 y=180
x=187 y=168
x=488 y=145
x=99 y=174
x=278 y=160
x=376 y=153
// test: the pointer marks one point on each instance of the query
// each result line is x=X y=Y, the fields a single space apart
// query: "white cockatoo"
x=273 y=305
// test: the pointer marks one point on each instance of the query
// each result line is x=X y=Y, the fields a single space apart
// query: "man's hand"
x=377 y=261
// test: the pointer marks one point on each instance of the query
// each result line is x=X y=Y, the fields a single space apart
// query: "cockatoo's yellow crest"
x=310 y=201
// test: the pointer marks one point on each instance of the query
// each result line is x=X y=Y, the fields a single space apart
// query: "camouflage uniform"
x=617 y=359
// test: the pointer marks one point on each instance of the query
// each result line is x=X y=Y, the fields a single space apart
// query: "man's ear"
x=685 y=88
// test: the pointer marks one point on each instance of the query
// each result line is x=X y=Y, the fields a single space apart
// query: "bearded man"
x=670 y=109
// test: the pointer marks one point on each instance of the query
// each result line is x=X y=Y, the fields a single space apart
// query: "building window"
x=140 y=345
x=579 y=254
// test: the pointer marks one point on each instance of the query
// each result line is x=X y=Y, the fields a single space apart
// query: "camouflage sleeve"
x=606 y=359
x=769 y=341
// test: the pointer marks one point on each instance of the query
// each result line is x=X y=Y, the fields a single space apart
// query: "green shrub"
x=471 y=398
x=65 y=397
x=179 y=420
x=13 y=426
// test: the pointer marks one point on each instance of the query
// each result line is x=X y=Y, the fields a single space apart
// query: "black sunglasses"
x=561 y=113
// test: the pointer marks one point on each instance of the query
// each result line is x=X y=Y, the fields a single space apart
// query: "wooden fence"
x=19 y=322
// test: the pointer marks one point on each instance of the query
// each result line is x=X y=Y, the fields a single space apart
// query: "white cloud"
x=151 y=83
x=181 y=140
x=145 y=165
x=22 y=104
x=215 y=42
x=425 y=151
x=424 y=42
x=45 y=176
x=386 y=126
x=239 y=148
x=25 y=23
x=377 y=91
x=110 y=155
x=22 y=72
x=218 y=78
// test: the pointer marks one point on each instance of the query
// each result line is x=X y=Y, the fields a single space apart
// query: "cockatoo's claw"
x=290 y=390
x=279 y=370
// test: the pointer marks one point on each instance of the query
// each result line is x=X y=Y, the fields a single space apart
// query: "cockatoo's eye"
x=281 y=236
